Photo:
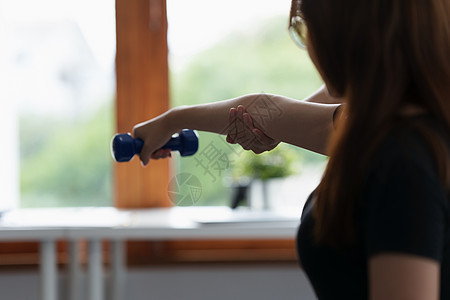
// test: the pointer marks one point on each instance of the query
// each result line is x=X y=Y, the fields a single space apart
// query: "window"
x=57 y=88
x=57 y=85
x=229 y=49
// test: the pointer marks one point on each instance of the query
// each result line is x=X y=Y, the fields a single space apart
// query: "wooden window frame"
x=142 y=92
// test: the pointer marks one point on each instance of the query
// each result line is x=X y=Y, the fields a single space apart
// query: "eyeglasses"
x=298 y=31
x=297 y=25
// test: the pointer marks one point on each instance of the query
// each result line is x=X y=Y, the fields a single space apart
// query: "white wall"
x=9 y=134
x=218 y=282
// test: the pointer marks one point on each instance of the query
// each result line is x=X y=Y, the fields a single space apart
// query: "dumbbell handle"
x=124 y=147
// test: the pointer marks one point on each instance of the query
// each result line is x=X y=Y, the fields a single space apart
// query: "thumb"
x=145 y=155
x=261 y=137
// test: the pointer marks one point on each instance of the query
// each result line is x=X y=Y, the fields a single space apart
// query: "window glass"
x=57 y=85
x=223 y=49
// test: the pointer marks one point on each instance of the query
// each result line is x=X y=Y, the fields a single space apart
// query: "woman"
x=378 y=225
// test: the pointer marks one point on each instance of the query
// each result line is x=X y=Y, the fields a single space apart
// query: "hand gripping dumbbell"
x=124 y=146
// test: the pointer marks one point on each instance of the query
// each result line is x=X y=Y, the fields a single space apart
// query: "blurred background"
x=57 y=88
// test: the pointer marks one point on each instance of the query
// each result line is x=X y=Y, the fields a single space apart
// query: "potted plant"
x=265 y=173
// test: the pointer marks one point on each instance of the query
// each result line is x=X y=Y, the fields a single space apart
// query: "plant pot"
x=266 y=194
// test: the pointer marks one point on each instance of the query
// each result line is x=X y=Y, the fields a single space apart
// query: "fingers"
x=155 y=135
x=240 y=131
x=232 y=131
x=230 y=139
x=248 y=120
x=161 y=153
x=232 y=114
x=236 y=119
x=239 y=127
x=262 y=138
x=145 y=155
x=239 y=122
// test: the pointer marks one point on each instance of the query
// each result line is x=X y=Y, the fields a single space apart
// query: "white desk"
x=117 y=226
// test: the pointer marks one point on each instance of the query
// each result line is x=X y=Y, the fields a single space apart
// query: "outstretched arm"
x=306 y=124
x=246 y=132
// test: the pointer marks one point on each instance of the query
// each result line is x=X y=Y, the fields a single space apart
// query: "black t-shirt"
x=404 y=209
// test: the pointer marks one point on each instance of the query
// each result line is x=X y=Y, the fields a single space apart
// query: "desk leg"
x=48 y=272
x=118 y=270
x=74 y=271
x=95 y=271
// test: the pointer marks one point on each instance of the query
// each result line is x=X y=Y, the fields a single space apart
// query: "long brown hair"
x=380 y=55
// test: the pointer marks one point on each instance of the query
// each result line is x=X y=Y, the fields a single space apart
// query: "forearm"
x=213 y=117
x=302 y=123
x=210 y=117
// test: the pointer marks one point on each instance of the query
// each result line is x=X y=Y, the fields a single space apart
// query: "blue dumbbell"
x=124 y=146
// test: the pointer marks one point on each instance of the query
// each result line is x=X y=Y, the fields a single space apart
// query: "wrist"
x=173 y=119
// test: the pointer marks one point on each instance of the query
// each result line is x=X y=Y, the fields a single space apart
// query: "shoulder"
x=403 y=149
x=404 y=162
x=405 y=206
x=404 y=167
